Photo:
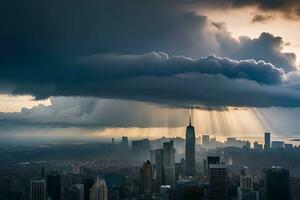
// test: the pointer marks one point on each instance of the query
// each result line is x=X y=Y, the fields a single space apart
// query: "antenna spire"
x=190 y=117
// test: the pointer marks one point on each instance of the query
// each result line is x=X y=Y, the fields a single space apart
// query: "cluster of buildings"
x=161 y=177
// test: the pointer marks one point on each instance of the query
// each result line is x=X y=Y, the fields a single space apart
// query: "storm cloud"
x=101 y=49
x=288 y=8
x=159 y=78
x=43 y=31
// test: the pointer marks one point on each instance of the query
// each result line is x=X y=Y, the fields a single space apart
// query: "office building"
x=267 y=141
x=54 y=186
x=158 y=169
x=164 y=193
x=38 y=189
x=99 y=190
x=257 y=146
x=190 y=164
x=169 y=163
x=209 y=161
x=288 y=146
x=88 y=184
x=277 y=185
x=218 y=181
x=168 y=153
x=147 y=174
x=170 y=175
x=179 y=171
x=247 y=194
x=277 y=144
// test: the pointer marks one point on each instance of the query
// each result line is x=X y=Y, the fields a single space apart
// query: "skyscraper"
x=267 y=141
x=169 y=163
x=88 y=183
x=277 y=186
x=38 y=189
x=208 y=161
x=54 y=186
x=169 y=153
x=190 y=150
x=158 y=169
x=218 y=182
x=245 y=191
x=147 y=177
x=99 y=190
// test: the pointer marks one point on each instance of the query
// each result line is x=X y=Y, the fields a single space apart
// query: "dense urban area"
x=199 y=168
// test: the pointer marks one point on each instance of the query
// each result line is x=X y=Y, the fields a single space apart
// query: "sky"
x=101 y=69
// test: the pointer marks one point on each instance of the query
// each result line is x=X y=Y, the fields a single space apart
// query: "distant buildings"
x=124 y=142
x=99 y=190
x=205 y=140
x=277 y=186
x=190 y=163
x=76 y=168
x=267 y=141
x=277 y=144
x=257 y=146
x=141 y=148
x=147 y=174
x=218 y=181
x=38 y=189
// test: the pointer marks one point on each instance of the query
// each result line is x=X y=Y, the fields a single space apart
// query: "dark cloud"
x=156 y=77
x=46 y=46
x=266 y=47
x=43 y=31
x=259 y=18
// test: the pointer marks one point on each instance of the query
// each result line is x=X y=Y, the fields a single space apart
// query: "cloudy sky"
x=105 y=68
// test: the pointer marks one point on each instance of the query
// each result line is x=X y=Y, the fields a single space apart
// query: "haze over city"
x=150 y=100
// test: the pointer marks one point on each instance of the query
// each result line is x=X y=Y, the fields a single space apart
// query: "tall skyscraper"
x=169 y=153
x=190 y=150
x=54 y=186
x=147 y=174
x=267 y=141
x=99 y=190
x=88 y=184
x=209 y=161
x=169 y=175
x=277 y=184
x=169 y=163
x=38 y=189
x=158 y=169
x=218 y=182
